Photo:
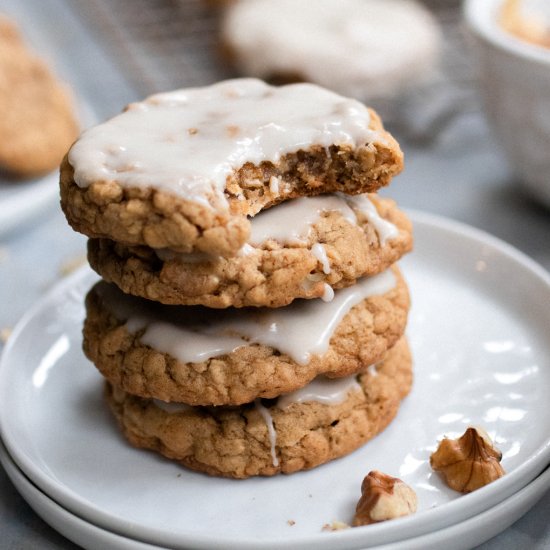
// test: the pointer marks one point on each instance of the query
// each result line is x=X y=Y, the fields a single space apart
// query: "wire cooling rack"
x=161 y=45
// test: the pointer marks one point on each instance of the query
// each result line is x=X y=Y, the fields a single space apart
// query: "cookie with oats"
x=304 y=248
x=184 y=170
x=202 y=356
x=324 y=421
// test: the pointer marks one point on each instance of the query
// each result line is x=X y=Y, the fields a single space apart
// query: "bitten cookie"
x=324 y=421
x=202 y=356
x=302 y=248
x=360 y=48
x=38 y=122
x=182 y=170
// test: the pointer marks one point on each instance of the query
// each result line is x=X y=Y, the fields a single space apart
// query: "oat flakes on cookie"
x=38 y=122
x=303 y=248
x=202 y=356
x=318 y=423
x=183 y=170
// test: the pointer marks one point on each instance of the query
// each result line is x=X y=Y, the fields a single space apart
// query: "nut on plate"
x=469 y=462
x=383 y=497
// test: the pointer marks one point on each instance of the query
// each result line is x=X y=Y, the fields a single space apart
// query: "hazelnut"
x=383 y=497
x=469 y=462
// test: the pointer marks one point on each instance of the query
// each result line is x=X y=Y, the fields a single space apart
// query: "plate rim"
x=40 y=500
x=482 y=499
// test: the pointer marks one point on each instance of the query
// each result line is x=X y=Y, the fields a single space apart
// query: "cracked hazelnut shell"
x=383 y=497
x=469 y=462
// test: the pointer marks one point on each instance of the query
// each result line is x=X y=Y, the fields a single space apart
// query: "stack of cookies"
x=250 y=319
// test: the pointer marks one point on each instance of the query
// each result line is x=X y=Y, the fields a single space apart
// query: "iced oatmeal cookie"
x=183 y=170
x=201 y=356
x=325 y=420
x=304 y=248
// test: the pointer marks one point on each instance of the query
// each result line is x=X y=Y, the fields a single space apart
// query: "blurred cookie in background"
x=366 y=49
x=38 y=121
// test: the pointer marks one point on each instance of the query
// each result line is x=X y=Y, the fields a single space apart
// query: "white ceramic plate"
x=20 y=201
x=463 y=535
x=478 y=330
x=70 y=526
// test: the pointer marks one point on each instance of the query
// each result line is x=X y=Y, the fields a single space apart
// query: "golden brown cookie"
x=236 y=441
x=339 y=247
x=38 y=122
x=183 y=170
x=202 y=356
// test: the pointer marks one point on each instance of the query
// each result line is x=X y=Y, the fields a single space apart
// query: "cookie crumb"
x=335 y=526
x=232 y=130
x=71 y=265
x=5 y=333
x=291 y=522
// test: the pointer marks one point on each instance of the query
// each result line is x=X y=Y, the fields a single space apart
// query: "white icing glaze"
x=268 y=419
x=355 y=47
x=186 y=345
x=274 y=185
x=318 y=250
x=384 y=229
x=186 y=142
x=328 y=293
x=192 y=334
x=291 y=221
x=323 y=390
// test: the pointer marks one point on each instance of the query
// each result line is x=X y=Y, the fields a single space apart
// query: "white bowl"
x=515 y=83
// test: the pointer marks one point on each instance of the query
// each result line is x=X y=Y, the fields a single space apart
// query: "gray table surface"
x=461 y=176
